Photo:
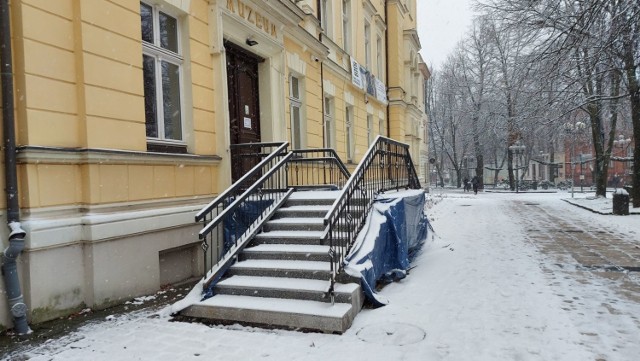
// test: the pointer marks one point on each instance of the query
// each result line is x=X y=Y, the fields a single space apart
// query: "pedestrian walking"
x=475 y=181
x=467 y=187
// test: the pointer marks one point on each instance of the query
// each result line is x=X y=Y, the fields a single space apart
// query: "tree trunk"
x=634 y=92
x=635 y=117
x=601 y=160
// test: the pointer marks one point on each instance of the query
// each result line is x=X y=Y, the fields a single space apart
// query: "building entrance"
x=244 y=106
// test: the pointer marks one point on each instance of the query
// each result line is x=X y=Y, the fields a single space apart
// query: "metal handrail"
x=331 y=153
x=320 y=167
x=238 y=201
x=232 y=191
x=387 y=165
x=232 y=219
x=239 y=212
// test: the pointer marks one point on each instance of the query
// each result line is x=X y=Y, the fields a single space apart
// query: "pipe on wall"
x=386 y=56
x=17 y=235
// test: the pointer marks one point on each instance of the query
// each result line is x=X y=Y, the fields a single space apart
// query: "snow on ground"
x=482 y=289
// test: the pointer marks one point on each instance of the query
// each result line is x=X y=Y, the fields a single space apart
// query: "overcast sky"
x=441 y=23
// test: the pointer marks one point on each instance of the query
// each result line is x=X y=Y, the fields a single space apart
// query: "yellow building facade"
x=125 y=111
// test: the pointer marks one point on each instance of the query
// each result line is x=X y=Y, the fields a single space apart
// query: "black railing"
x=245 y=157
x=237 y=214
x=312 y=168
x=387 y=165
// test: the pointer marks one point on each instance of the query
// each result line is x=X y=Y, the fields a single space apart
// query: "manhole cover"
x=398 y=334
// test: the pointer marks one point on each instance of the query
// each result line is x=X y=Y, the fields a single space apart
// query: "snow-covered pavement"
x=506 y=277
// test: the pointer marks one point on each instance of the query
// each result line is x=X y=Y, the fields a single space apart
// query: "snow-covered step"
x=282 y=277
x=279 y=268
x=299 y=314
x=305 y=211
x=295 y=224
x=313 y=198
x=315 y=195
x=290 y=237
x=291 y=288
x=300 y=252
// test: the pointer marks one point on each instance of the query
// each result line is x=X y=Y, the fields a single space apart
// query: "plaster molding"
x=55 y=155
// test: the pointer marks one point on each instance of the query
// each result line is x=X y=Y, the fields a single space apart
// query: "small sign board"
x=247 y=123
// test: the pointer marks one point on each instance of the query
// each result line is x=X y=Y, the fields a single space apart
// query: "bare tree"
x=476 y=73
x=596 y=43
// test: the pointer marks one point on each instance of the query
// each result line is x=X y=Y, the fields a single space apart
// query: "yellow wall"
x=204 y=90
x=312 y=100
x=395 y=56
x=78 y=84
x=79 y=69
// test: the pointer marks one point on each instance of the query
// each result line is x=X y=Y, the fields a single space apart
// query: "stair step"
x=313 y=198
x=305 y=211
x=281 y=268
x=319 y=187
x=290 y=237
x=281 y=287
x=287 y=252
x=309 y=202
x=295 y=224
x=303 y=314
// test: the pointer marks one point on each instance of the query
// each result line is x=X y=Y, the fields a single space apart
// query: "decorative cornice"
x=284 y=10
x=314 y=45
x=400 y=5
x=368 y=7
x=56 y=155
x=413 y=35
x=380 y=22
x=338 y=70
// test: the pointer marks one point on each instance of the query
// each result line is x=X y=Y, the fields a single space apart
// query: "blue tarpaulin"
x=234 y=226
x=395 y=230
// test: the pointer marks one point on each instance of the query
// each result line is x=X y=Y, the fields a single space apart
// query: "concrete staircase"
x=282 y=276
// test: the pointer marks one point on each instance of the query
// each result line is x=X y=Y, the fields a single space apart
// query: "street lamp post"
x=517 y=149
x=581 y=174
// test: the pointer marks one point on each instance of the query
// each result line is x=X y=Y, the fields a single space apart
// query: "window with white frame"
x=349 y=131
x=162 y=72
x=295 y=99
x=346 y=25
x=325 y=17
x=367 y=44
x=329 y=123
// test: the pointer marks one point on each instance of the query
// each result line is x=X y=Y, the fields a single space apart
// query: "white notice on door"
x=247 y=123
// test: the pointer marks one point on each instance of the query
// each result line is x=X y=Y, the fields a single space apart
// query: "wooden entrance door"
x=244 y=110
